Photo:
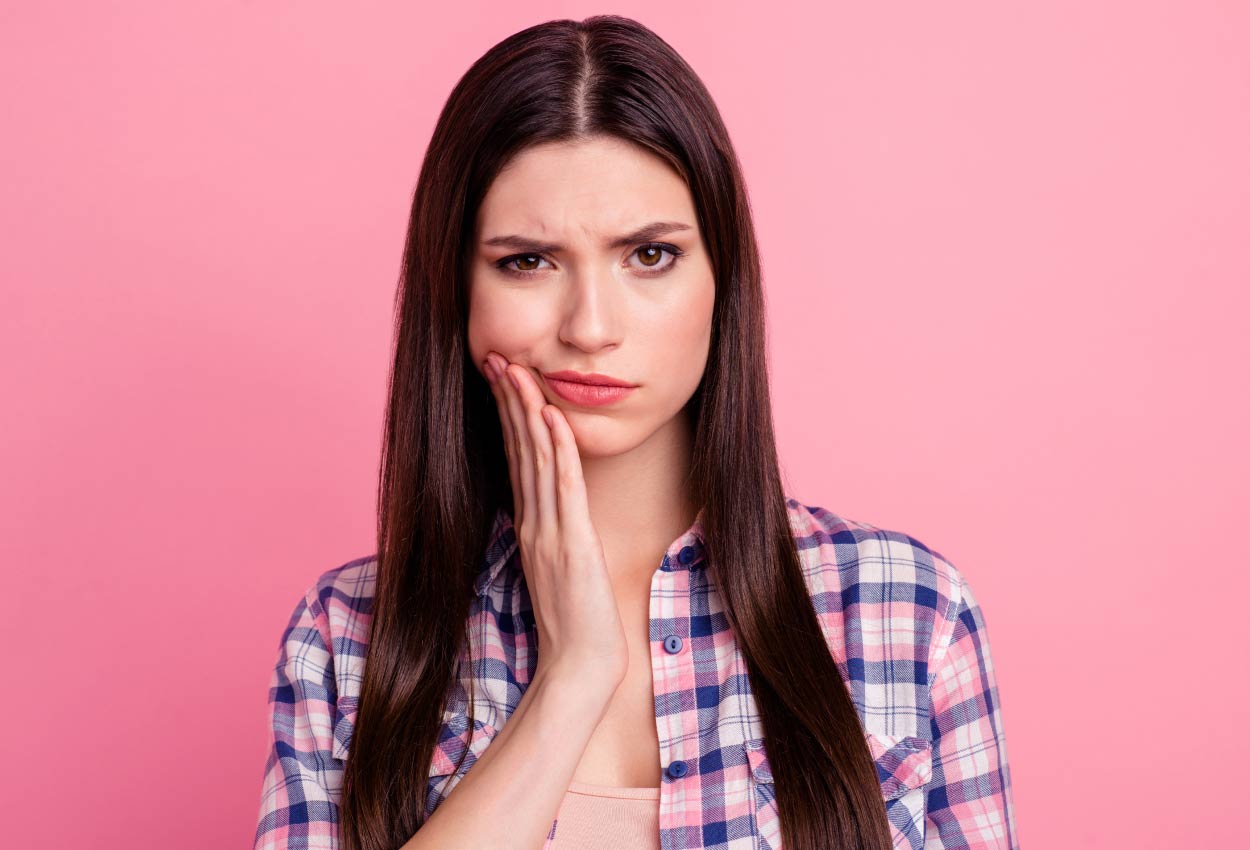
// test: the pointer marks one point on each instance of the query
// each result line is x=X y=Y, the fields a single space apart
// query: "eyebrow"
x=643 y=234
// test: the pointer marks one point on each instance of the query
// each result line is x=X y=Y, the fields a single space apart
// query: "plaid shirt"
x=900 y=620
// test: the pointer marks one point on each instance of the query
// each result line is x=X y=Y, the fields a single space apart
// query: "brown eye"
x=520 y=265
x=650 y=255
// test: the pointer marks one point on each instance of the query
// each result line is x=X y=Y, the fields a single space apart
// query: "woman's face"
x=588 y=257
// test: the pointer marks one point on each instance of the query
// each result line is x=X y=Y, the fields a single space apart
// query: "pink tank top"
x=606 y=817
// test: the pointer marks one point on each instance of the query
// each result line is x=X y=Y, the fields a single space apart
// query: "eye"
x=652 y=254
x=524 y=260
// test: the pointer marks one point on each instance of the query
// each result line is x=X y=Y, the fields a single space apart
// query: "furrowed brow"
x=646 y=233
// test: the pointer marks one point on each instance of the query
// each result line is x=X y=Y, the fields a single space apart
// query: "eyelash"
x=676 y=253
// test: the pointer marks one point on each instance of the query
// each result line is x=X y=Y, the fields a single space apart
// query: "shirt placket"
x=674 y=683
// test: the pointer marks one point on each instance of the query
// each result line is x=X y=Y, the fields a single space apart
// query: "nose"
x=594 y=313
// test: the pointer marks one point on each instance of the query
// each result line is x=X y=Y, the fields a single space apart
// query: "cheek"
x=677 y=342
x=689 y=329
x=495 y=324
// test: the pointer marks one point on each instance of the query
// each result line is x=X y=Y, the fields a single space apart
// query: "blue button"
x=672 y=644
x=686 y=555
x=677 y=769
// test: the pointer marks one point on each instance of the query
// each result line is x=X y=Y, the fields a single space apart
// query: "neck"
x=640 y=503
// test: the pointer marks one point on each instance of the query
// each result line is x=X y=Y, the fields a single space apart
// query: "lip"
x=592 y=378
x=587 y=395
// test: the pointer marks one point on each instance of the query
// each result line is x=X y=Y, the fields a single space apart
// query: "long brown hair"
x=444 y=472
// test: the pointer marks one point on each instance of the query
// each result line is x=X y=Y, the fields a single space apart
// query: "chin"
x=600 y=436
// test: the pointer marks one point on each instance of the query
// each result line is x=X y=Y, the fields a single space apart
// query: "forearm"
x=511 y=795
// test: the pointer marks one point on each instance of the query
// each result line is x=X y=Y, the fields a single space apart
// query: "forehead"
x=583 y=190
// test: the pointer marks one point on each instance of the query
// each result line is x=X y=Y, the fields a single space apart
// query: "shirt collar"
x=686 y=552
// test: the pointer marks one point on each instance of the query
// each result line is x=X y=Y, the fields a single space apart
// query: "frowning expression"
x=588 y=257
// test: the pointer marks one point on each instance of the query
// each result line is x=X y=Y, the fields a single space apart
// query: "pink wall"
x=1006 y=257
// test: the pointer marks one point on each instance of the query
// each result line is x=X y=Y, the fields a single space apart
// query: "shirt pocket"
x=904 y=766
x=453 y=739
x=344 y=725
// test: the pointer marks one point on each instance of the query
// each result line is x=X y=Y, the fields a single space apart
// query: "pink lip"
x=594 y=378
x=587 y=395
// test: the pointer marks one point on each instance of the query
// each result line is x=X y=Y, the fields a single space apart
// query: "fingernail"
x=488 y=369
x=513 y=378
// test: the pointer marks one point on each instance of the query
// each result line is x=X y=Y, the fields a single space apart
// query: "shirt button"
x=686 y=555
x=672 y=644
x=677 y=769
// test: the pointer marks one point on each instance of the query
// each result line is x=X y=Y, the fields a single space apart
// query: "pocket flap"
x=903 y=762
x=756 y=759
x=447 y=751
x=344 y=725
x=443 y=775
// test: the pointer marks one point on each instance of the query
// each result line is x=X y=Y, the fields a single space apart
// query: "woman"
x=595 y=619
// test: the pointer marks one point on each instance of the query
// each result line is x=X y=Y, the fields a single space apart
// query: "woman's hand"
x=579 y=625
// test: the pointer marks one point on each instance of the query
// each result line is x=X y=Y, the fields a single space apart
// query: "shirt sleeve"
x=302 y=780
x=969 y=803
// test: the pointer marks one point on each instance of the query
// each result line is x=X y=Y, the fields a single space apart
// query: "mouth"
x=587 y=394
x=594 y=379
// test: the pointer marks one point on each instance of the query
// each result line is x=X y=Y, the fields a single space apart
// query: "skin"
x=632 y=312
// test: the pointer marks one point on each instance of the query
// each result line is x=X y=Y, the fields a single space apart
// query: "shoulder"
x=886 y=594
x=330 y=622
x=343 y=595
x=873 y=561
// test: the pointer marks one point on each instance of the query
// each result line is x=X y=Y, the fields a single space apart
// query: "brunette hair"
x=443 y=472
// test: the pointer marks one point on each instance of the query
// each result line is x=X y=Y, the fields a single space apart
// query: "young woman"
x=594 y=618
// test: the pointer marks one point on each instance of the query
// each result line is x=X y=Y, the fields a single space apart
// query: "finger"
x=509 y=435
x=571 y=502
x=524 y=448
x=507 y=420
x=544 y=514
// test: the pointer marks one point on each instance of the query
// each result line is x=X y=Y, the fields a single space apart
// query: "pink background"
x=1006 y=256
